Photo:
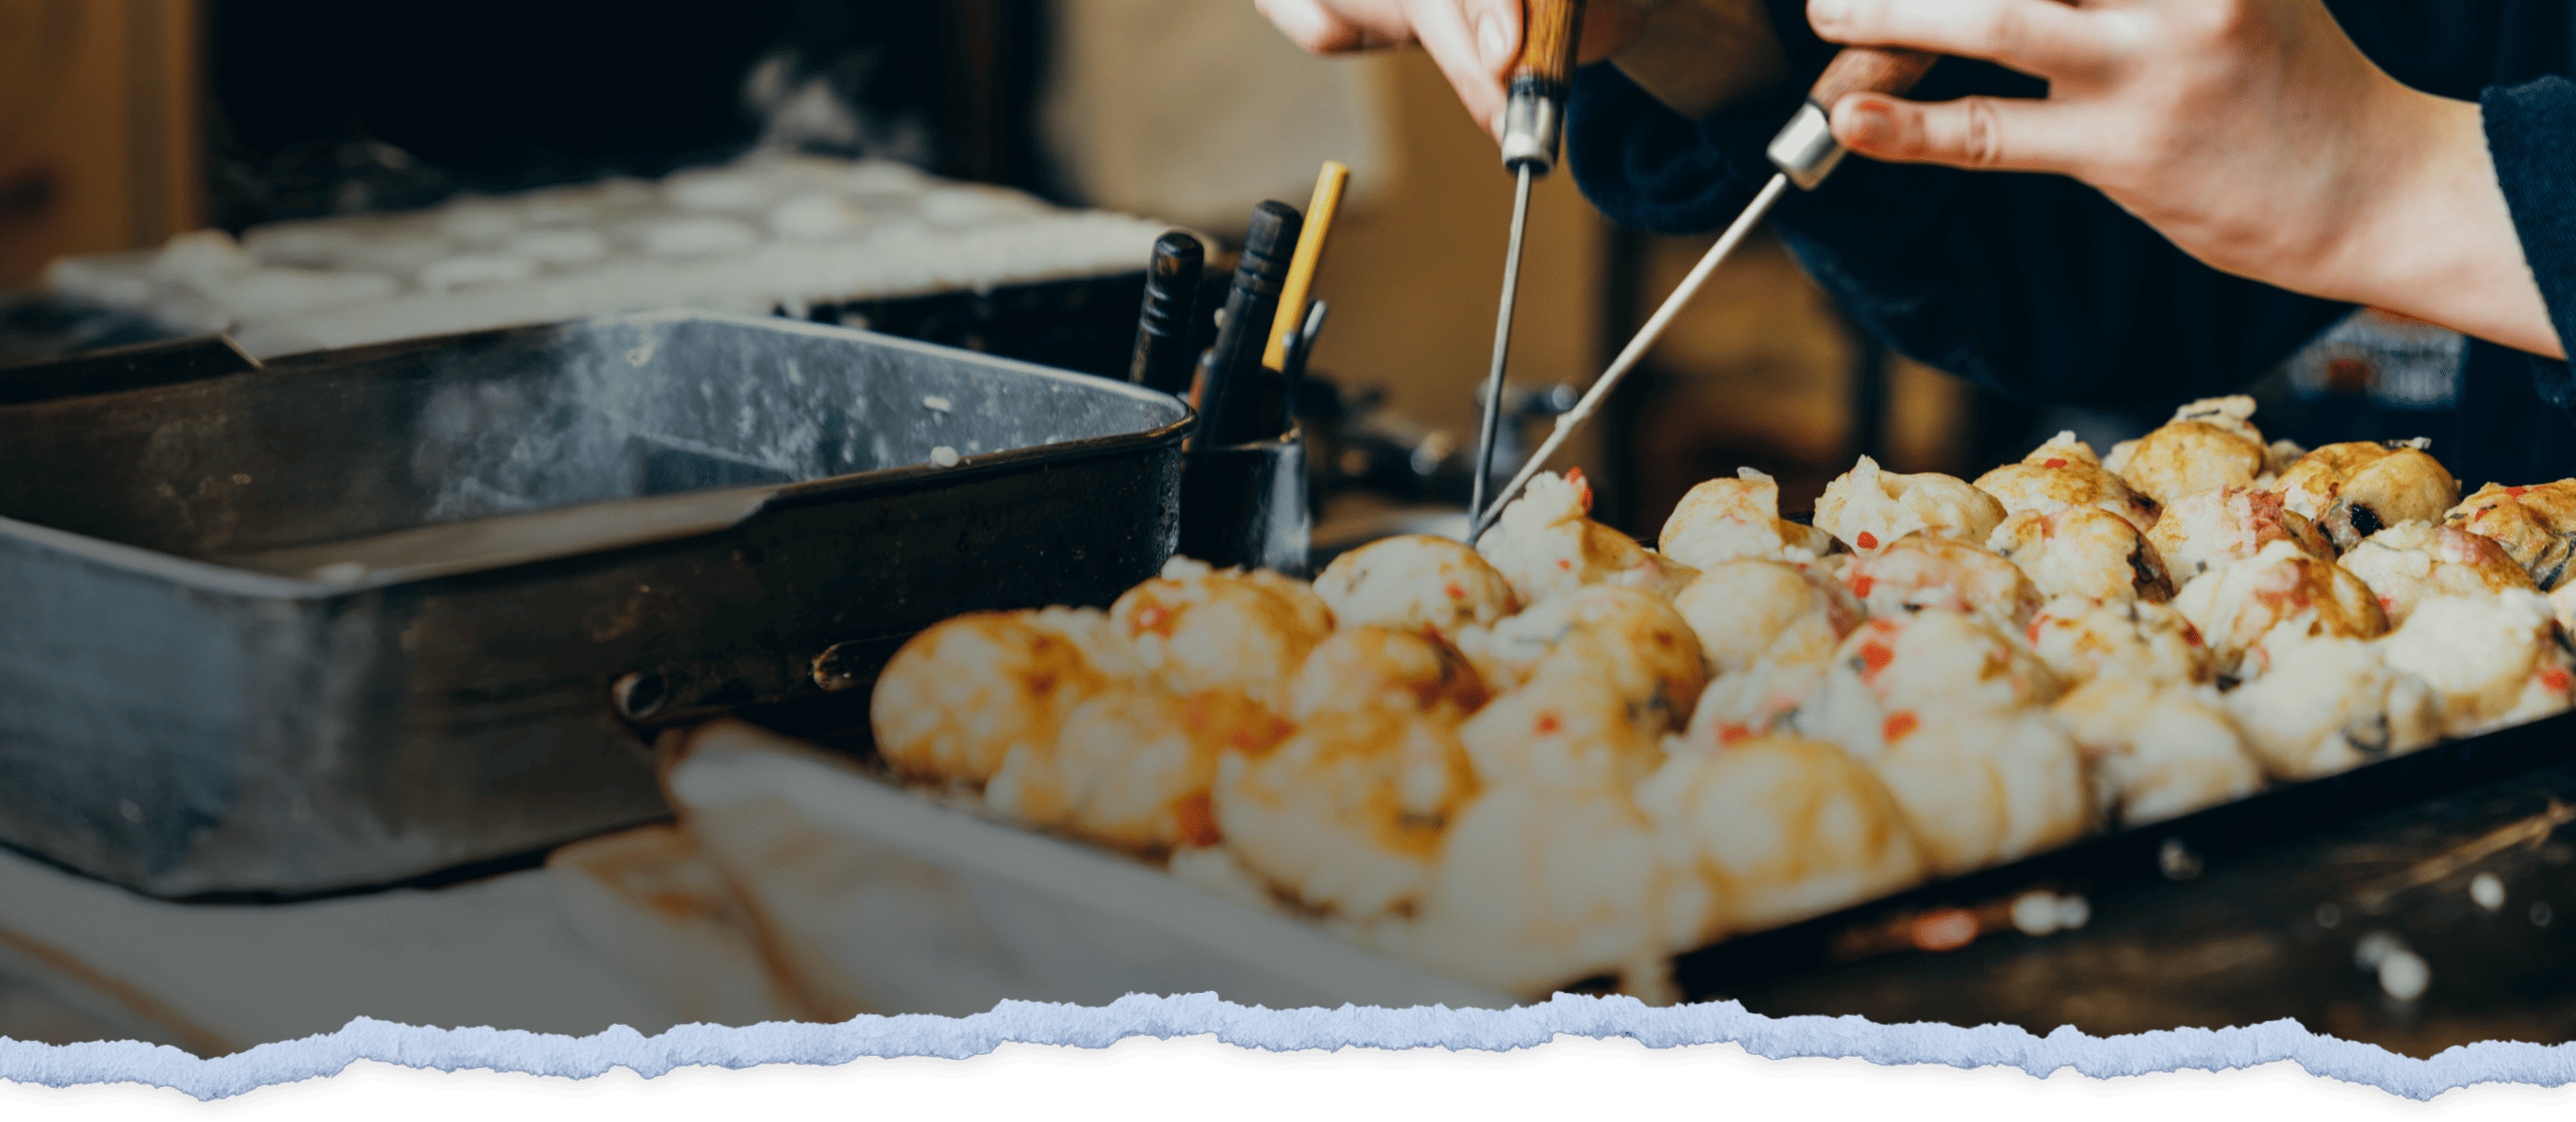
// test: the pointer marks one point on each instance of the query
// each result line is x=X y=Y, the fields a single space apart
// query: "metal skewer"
x=1502 y=346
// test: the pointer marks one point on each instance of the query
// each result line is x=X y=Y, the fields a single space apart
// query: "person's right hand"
x=1473 y=41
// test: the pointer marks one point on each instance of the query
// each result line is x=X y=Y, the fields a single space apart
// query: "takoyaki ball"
x=2278 y=457
x=1869 y=508
x=2408 y=562
x=2329 y=704
x=2535 y=525
x=1362 y=668
x=1985 y=788
x=1347 y=815
x=1898 y=674
x=1195 y=628
x=1415 y=582
x=1546 y=544
x=1751 y=609
x=1312 y=613
x=1563 y=730
x=2064 y=473
x=2494 y=661
x=1634 y=640
x=2208 y=445
x=1787 y=829
x=1537 y=889
x=2236 y=605
x=2157 y=751
x=2083 y=551
x=1758 y=701
x=2083 y=640
x=1920 y=571
x=958 y=697
x=1131 y=766
x=1725 y=519
x=2355 y=490
x=2214 y=528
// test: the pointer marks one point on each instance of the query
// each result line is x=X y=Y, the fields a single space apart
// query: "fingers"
x=1993 y=134
x=1312 y=26
x=1472 y=41
x=2044 y=38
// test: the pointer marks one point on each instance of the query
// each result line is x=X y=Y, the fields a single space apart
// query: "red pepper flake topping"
x=1862 y=584
x=1876 y=656
x=2053 y=465
x=2516 y=492
x=1946 y=930
x=1899 y=726
x=1582 y=488
x=1155 y=618
x=1548 y=724
x=1566 y=565
x=2034 y=630
x=1733 y=733
x=1455 y=592
x=2191 y=635
x=1866 y=540
x=1197 y=815
x=2555 y=680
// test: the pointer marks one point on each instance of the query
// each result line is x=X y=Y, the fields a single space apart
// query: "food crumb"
x=2487 y=891
x=936 y=402
x=943 y=456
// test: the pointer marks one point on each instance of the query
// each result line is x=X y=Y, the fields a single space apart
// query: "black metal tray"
x=362 y=615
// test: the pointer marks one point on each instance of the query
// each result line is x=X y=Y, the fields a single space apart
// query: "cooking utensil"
x=1291 y=316
x=1806 y=153
x=1164 y=332
x=1533 y=126
x=1250 y=302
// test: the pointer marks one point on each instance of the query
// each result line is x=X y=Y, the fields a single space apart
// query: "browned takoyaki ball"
x=2355 y=490
x=2208 y=445
x=2064 y=473
x=2083 y=551
x=1415 y=582
x=2213 y=528
x=2536 y=526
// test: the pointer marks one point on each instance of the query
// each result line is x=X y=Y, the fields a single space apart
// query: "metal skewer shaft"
x=1636 y=349
x=1502 y=344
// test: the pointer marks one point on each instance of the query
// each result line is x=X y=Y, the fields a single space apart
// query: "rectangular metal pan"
x=358 y=616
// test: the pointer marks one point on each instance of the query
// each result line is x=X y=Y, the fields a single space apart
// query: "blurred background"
x=125 y=122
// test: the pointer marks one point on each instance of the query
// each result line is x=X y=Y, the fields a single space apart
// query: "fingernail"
x=1491 y=43
x=1827 y=11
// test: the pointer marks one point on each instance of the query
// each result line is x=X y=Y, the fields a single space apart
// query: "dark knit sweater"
x=2041 y=287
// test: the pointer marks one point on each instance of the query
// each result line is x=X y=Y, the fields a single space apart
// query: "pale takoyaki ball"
x=2214 y=528
x=1546 y=544
x=1758 y=701
x=1981 y=789
x=2236 y=605
x=1364 y=668
x=2495 y=661
x=1415 y=582
x=2329 y=704
x=1538 y=889
x=1750 y=609
x=2083 y=551
x=2208 y=445
x=2406 y=563
x=1898 y=674
x=1195 y=628
x=1563 y=730
x=2157 y=750
x=958 y=697
x=2064 y=473
x=1922 y=570
x=1130 y=767
x=1787 y=829
x=1347 y=814
x=2083 y=640
x=2355 y=490
x=1725 y=519
x=2535 y=525
x=1632 y=639
x=1869 y=508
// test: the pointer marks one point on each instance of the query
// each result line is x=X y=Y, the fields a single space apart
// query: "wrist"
x=1700 y=56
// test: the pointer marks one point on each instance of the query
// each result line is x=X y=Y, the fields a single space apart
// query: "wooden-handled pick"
x=1539 y=78
x=1806 y=152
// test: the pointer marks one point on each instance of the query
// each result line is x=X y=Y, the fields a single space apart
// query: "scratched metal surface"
x=2277 y=935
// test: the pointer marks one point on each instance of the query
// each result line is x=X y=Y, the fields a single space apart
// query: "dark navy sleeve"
x=2531 y=133
x=2035 y=285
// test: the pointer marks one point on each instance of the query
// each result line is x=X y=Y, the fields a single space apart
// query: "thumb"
x=1993 y=134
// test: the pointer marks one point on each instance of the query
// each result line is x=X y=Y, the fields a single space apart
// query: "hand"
x=2252 y=133
x=1473 y=41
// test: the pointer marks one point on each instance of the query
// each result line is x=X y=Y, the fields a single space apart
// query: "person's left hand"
x=2252 y=133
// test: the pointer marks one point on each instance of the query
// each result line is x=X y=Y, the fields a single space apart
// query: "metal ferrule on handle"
x=1537 y=84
